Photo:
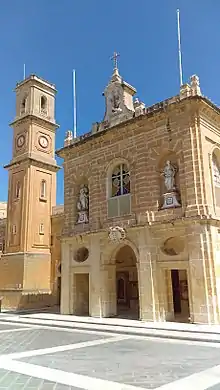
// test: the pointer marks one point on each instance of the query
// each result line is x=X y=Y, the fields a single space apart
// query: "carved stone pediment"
x=118 y=101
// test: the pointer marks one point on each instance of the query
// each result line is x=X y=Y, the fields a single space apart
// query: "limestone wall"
x=2 y=234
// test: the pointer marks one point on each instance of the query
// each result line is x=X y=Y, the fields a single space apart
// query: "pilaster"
x=202 y=275
x=66 y=286
x=148 y=294
x=108 y=291
x=95 y=278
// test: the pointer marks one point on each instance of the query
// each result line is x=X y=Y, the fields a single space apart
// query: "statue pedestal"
x=171 y=200
x=82 y=217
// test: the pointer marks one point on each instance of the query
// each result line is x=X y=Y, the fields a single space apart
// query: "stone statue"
x=115 y=101
x=171 y=197
x=169 y=173
x=83 y=204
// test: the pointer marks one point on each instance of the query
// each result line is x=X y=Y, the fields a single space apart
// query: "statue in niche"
x=172 y=195
x=115 y=101
x=83 y=205
x=169 y=173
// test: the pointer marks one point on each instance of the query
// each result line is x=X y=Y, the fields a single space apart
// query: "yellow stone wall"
x=21 y=277
x=145 y=143
x=27 y=266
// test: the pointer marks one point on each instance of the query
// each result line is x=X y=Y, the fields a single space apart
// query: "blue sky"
x=52 y=37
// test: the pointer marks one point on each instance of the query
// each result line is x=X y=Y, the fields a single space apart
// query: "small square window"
x=41 y=229
x=43 y=189
x=14 y=230
x=18 y=190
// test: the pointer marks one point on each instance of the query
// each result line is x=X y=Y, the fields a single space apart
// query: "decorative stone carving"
x=69 y=138
x=116 y=234
x=171 y=196
x=83 y=205
x=139 y=107
x=171 y=200
x=95 y=127
x=195 y=85
x=173 y=246
x=119 y=99
x=81 y=255
x=115 y=101
x=191 y=90
x=185 y=91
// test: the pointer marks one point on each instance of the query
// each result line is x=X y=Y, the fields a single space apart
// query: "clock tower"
x=31 y=195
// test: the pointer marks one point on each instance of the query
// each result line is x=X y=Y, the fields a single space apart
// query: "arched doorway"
x=127 y=294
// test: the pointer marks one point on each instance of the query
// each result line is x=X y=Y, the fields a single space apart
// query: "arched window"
x=18 y=190
x=43 y=189
x=43 y=105
x=120 y=181
x=119 y=198
x=216 y=170
x=216 y=176
x=24 y=105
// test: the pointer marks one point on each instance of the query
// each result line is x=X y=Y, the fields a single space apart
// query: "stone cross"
x=115 y=59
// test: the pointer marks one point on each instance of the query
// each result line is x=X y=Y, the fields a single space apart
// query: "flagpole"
x=74 y=103
x=24 y=71
x=179 y=48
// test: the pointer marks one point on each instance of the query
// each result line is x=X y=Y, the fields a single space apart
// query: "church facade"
x=139 y=234
x=141 y=210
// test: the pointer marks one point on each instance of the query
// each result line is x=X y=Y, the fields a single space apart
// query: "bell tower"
x=31 y=194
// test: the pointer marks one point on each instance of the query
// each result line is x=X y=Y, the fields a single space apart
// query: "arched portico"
x=124 y=259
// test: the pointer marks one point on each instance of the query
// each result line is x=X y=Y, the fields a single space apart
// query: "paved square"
x=41 y=357
x=136 y=362
x=14 y=381
x=32 y=338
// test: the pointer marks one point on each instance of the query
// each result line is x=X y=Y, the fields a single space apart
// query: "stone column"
x=147 y=280
x=163 y=297
x=202 y=275
x=65 y=307
x=108 y=296
x=95 y=304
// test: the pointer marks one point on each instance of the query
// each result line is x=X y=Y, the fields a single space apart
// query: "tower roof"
x=36 y=79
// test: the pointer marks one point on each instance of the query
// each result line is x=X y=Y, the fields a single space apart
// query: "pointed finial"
x=115 y=59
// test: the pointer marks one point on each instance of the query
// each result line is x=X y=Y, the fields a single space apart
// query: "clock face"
x=20 y=141
x=43 y=141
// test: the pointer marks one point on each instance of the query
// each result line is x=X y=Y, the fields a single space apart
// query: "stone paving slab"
x=41 y=338
x=11 y=326
x=13 y=381
x=141 y=363
x=137 y=361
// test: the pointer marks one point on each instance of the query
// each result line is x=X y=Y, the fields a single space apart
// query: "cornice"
x=153 y=114
x=34 y=118
x=31 y=161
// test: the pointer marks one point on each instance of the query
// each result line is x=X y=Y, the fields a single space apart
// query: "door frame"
x=180 y=265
